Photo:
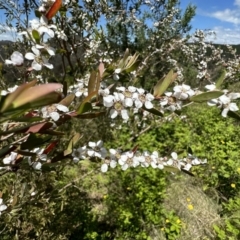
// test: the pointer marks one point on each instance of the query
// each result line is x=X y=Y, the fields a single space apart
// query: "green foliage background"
x=79 y=202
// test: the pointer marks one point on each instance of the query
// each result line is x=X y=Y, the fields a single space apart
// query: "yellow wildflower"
x=190 y=206
x=233 y=185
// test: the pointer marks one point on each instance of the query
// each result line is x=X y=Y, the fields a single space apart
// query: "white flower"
x=128 y=159
x=112 y=163
x=2 y=206
x=49 y=49
x=211 y=87
x=16 y=59
x=148 y=160
x=52 y=111
x=128 y=95
x=140 y=99
x=61 y=35
x=116 y=102
x=79 y=153
x=97 y=149
x=159 y=161
x=42 y=26
x=38 y=60
x=182 y=92
x=10 y=158
x=37 y=165
x=224 y=102
x=174 y=161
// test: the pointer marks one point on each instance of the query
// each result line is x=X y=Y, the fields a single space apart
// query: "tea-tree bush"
x=41 y=137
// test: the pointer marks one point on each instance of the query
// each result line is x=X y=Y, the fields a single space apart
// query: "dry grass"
x=198 y=221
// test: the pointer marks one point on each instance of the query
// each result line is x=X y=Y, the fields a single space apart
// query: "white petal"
x=7 y=61
x=174 y=155
x=37 y=165
x=210 y=87
x=36 y=66
x=138 y=103
x=148 y=105
x=54 y=115
x=104 y=167
x=62 y=108
x=160 y=166
x=113 y=113
x=212 y=102
x=7 y=160
x=3 y=207
x=124 y=114
x=113 y=164
x=141 y=90
x=108 y=101
x=29 y=56
x=132 y=89
x=233 y=107
x=128 y=102
x=36 y=51
x=224 y=99
x=124 y=167
x=91 y=153
x=234 y=95
x=48 y=65
x=225 y=112
x=92 y=144
x=51 y=51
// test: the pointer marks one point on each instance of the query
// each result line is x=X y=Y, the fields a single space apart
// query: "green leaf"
x=28 y=95
x=90 y=115
x=71 y=144
x=67 y=100
x=233 y=115
x=4 y=151
x=92 y=82
x=221 y=79
x=36 y=36
x=34 y=141
x=84 y=107
x=206 y=96
x=154 y=111
x=163 y=84
x=171 y=169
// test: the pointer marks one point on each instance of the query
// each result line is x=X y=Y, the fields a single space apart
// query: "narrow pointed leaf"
x=34 y=141
x=162 y=85
x=221 y=79
x=12 y=96
x=90 y=115
x=34 y=93
x=92 y=82
x=233 y=115
x=171 y=169
x=6 y=150
x=71 y=144
x=84 y=107
x=36 y=36
x=206 y=96
x=50 y=147
x=154 y=111
x=67 y=100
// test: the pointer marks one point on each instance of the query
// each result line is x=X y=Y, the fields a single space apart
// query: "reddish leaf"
x=41 y=127
x=50 y=147
x=54 y=9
